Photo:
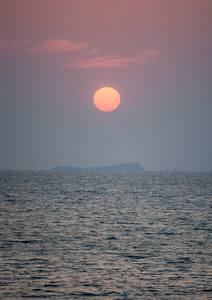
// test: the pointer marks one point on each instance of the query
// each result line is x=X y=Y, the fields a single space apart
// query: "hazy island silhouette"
x=125 y=167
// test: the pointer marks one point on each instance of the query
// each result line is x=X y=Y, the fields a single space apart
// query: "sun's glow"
x=106 y=99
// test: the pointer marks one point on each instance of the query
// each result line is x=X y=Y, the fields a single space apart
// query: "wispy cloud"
x=57 y=46
x=49 y=46
x=15 y=45
x=84 y=55
x=116 y=61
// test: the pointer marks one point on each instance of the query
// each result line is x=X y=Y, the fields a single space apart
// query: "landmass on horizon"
x=125 y=167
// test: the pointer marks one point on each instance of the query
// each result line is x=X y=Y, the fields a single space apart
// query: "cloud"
x=49 y=46
x=7 y=45
x=84 y=55
x=113 y=61
x=57 y=46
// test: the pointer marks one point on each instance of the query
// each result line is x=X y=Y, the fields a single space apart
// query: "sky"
x=55 y=54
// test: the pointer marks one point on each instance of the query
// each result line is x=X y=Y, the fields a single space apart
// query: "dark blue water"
x=105 y=235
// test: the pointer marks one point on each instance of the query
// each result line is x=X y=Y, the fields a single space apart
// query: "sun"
x=106 y=99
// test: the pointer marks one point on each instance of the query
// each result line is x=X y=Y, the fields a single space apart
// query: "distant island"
x=126 y=167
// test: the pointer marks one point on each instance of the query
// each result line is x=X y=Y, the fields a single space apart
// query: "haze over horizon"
x=54 y=56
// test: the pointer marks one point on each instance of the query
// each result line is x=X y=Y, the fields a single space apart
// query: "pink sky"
x=56 y=53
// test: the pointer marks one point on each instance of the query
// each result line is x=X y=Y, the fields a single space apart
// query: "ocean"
x=90 y=235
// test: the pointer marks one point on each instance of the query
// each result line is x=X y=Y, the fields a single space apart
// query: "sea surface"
x=87 y=235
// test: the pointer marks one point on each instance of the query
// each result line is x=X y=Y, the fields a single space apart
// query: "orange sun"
x=106 y=99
